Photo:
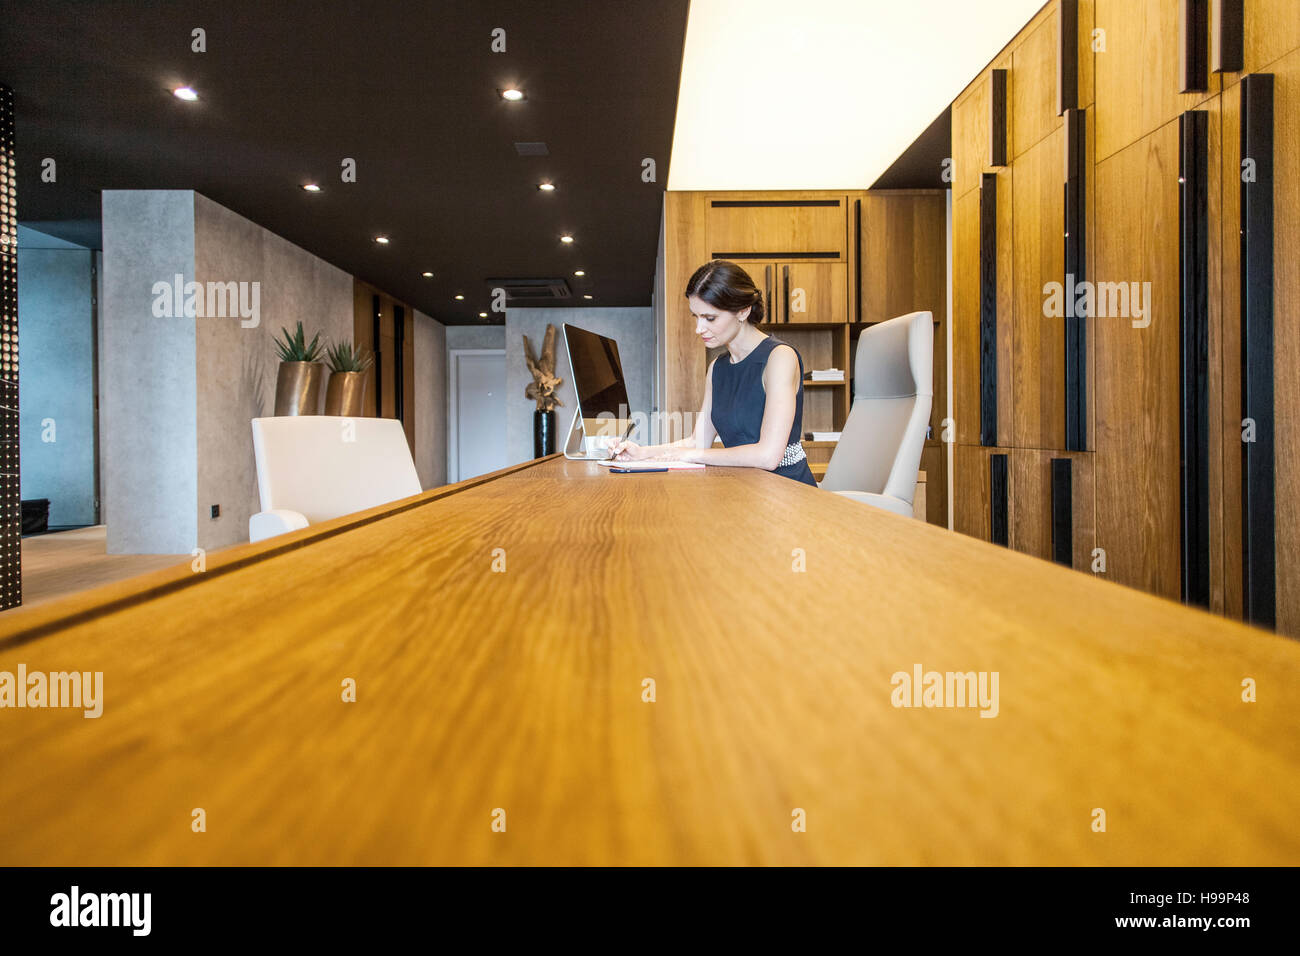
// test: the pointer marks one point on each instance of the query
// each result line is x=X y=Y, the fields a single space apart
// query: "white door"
x=478 y=412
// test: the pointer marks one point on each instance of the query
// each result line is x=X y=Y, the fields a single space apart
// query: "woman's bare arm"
x=781 y=383
x=701 y=435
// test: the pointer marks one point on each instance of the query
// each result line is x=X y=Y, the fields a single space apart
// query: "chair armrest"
x=267 y=524
x=888 y=502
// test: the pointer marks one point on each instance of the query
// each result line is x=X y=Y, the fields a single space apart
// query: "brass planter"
x=346 y=394
x=297 y=388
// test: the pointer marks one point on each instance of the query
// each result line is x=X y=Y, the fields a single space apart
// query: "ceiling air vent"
x=531 y=290
x=532 y=149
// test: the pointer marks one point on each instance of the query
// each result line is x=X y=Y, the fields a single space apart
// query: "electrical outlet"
x=216 y=511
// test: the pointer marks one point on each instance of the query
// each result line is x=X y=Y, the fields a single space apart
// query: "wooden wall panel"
x=363 y=335
x=904 y=235
x=970 y=136
x=1271 y=31
x=966 y=318
x=904 y=269
x=1031 y=516
x=1215 y=382
x=971 y=491
x=933 y=463
x=1032 y=90
x=1038 y=257
x=1136 y=384
x=1087 y=58
x=1286 y=334
x=1225 y=515
x=684 y=366
x=1137 y=77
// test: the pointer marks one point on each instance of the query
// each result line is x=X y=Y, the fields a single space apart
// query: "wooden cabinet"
x=1137 y=378
x=1053 y=517
x=767 y=276
x=814 y=292
x=1037 y=255
x=903 y=268
x=982 y=492
x=982 y=277
x=1137 y=76
x=776 y=225
x=1031 y=86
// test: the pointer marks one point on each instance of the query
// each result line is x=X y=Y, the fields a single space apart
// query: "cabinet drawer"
x=814 y=292
x=814 y=229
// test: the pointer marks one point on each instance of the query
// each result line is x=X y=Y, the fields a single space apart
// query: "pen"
x=630 y=425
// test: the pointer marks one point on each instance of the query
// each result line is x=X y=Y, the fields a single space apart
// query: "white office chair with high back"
x=879 y=451
x=312 y=468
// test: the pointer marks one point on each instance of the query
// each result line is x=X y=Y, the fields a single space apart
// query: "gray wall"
x=148 y=376
x=632 y=329
x=476 y=337
x=57 y=354
x=430 y=361
x=237 y=366
x=177 y=394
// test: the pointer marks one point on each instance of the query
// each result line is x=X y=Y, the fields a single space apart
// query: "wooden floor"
x=65 y=562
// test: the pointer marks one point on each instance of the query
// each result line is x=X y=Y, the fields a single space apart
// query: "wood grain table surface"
x=500 y=634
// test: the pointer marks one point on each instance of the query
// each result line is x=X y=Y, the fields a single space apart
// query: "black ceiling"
x=407 y=89
x=924 y=163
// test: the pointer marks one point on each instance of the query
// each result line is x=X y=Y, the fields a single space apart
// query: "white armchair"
x=311 y=468
x=879 y=452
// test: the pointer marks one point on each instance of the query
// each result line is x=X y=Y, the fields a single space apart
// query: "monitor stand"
x=578 y=447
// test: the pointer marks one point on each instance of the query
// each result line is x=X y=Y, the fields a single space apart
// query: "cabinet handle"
x=767 y=294
x=785 y=274
x=1193 y=25
x=1226 y=38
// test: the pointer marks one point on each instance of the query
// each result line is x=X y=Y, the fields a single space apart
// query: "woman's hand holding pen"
x=631 y=451
x=624 y=450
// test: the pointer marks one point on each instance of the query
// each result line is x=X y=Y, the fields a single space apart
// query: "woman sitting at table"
x=753 y=392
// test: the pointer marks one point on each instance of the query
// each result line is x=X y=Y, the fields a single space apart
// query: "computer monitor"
x=602 y=395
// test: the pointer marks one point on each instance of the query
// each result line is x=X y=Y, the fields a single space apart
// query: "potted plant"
x=297 y=384
x=345 y=395
x=542 y=390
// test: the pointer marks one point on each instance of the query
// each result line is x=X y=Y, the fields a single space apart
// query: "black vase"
x=543 y=433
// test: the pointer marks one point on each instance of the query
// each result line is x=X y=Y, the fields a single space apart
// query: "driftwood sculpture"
x=542 y=389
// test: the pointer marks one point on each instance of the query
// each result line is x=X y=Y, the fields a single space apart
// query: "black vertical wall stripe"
x=1076 y=268
x=1257 y=498
x=1062 y=511
x=989 y=309
x=998 y=499
x=1194 y=354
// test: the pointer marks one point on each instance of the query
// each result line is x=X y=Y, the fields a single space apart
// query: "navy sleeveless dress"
x=738 y=402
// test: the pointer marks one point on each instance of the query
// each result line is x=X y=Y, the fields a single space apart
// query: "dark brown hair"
x=726 y=286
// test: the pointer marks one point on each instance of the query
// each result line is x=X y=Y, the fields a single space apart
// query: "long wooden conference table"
x=554 y=665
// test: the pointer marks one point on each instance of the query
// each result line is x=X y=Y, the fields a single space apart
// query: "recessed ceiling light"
x=382 y=240
x=579 y=273
x=311 y=187
x=566 y=238
x=427 y=275
x=185 y=93
x=585 y=296
x=546 y=187
x=511 y=94
x=459 y=298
